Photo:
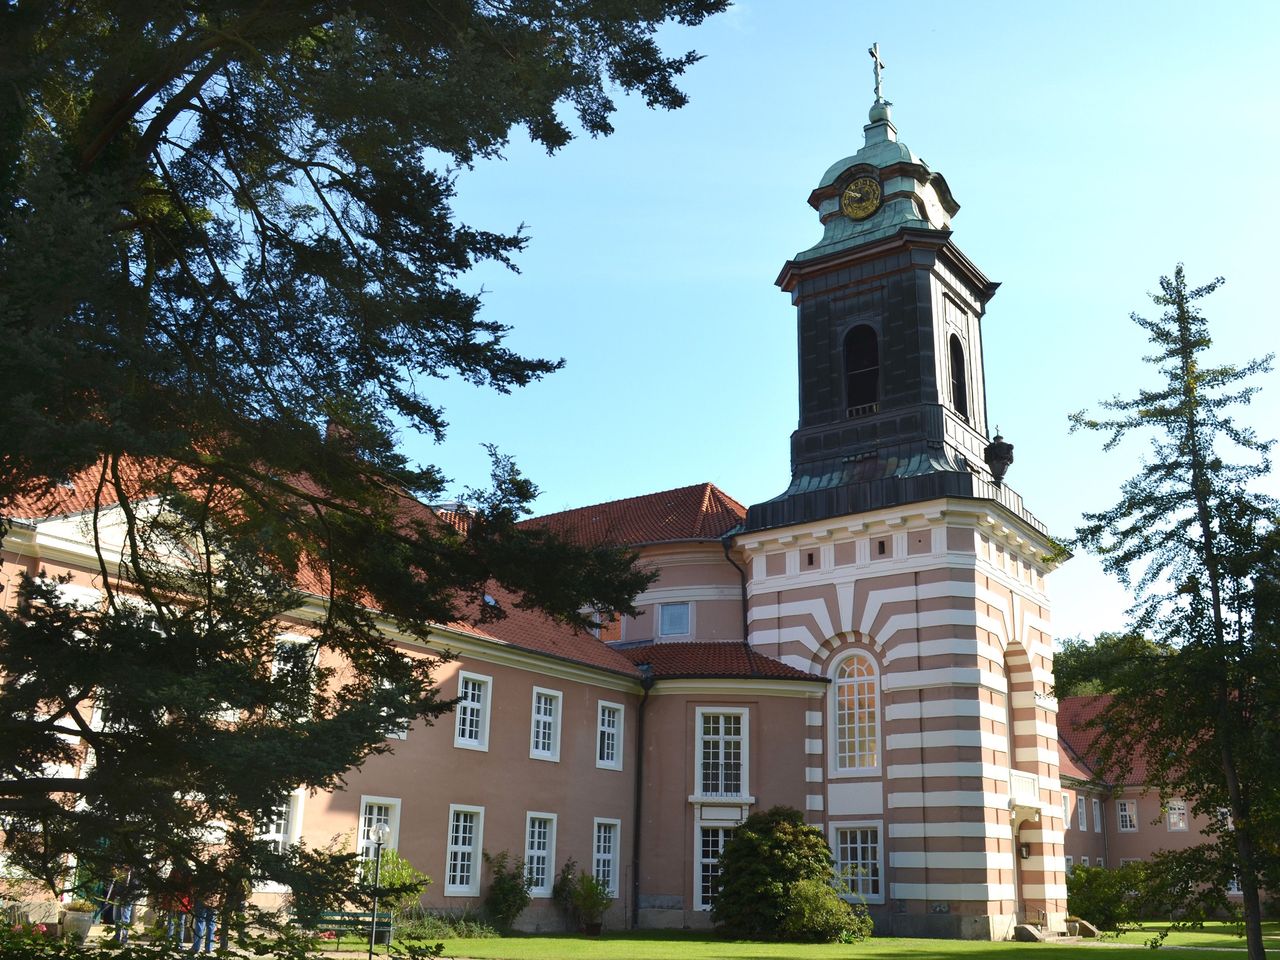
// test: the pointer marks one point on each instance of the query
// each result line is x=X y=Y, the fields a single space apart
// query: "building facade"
x=871 y=647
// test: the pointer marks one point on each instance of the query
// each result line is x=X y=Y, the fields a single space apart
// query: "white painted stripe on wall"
x=1057 y=862
x=945 y=738
x=961 y=768
x=812 y=774
x=930 y=618
x=966 y=828
x=937 y=860
x=1036 y=755
x=927 y=591
x=981 y=892
x=950 y=798
x=944 y=677
x=954 y=646
x=918 y=709
x=1042 y=836
x=1044 y=891
x=1036 y=727
x=844 y=600
x=793 y=660
x=796 y=608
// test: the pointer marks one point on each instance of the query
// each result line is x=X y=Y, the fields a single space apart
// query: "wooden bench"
x=353 y=921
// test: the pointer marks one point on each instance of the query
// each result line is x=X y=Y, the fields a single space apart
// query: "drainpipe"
x=646 y=683
x=725 y=541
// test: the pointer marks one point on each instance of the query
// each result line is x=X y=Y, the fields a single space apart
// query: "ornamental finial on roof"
x=879 y=109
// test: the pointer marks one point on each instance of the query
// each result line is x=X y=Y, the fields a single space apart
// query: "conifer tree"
x=229 y=275
x=1198 y=543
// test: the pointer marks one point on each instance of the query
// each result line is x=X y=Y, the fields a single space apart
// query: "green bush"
x=508 y=892
x=400 y=883
x=770 y=854
x=421 y=925
x=816 y=913
x=1109 y=898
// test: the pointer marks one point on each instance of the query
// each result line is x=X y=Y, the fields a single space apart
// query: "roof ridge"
x=610 y=503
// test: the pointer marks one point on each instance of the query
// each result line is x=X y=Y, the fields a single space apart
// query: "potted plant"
x=77 y=919
x=591 y=899
x=1073 y=926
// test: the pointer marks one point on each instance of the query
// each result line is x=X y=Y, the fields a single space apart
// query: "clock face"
x=861 y=198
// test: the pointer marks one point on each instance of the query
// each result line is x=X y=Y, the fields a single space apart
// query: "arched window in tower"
x=856 y=713
x=959 y=381
x=862 y=371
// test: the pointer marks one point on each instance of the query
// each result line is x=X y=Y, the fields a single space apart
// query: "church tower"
x=898 y=566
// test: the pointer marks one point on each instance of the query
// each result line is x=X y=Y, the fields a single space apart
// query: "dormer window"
x=959 y=380
x=862 y=371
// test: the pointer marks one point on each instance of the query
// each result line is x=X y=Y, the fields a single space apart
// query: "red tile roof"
x=712 y=659
x=699 y=512
x=1074 y=716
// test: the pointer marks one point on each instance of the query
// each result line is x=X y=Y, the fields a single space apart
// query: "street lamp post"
x=381 y=834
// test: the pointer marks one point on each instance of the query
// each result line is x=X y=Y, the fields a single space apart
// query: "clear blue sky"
x=1092 y=146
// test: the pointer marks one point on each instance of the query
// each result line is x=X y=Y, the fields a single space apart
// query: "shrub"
x=1109 y=898
x=772 y=852
x=421 y=925
x=582 y=897
x=400 y=883
x=508 y=892
x=816 y=913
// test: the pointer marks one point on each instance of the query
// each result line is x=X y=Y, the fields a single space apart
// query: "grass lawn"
x=683 y=945
x=1213 y=935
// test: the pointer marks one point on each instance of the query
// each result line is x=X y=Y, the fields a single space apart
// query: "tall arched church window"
x=862 y=371
x=857 y=714
x=959 y=388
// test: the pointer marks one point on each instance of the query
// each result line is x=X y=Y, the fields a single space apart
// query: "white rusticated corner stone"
x=814 y=801
x=812 y=774
x=813 y=747
x=813 y=718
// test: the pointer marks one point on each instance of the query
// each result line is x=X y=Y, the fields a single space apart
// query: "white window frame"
x=1066 y=810
x=837 y=685
x=465 y=709
x=1070 y=862
x=475 y=849
x=1082 y=813
x=662 y=632
x=744 y=713
x=1127 y=810
x=698 y=861
x=1180 y=812
x=551 y=725
x=363 y=843
x=614 y=859
x=1101 y=863
x=1097 y=815
x=548 y=854
x=1084 y=861
x=603 y=732
x=288 y=837
x=833 y=838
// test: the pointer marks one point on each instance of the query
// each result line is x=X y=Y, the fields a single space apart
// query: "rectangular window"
x=1101 y=862
x=604 y=857
x=1082 y=813
x=1233 y=885
x=722 y=753
x=1066 y=811
x=1071 y=863
x=466 y=837
x=1097 y=815
x=1084 y=861
x=858 y=860
x=711 y=841
x=609 y=735
x=471 y=729
x=544 y=738
x=1127 y=815
x=1176 y=814
x=373 y=811
x=275 y=826
x=540 y=852
x=673 y=619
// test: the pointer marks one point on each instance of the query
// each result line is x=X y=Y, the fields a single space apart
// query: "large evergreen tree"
x=1201 y=707
x=228 y=276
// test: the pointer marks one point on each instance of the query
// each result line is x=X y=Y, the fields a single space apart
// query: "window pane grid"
x=858 y=857
x=857 y=712
x=608 y=741
x=544 y=719
x=470 y=709
x=374 y=814
x=721 y=754
x=711 y=845
x=537 y=851
x=462 y=839
x=604 y=856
